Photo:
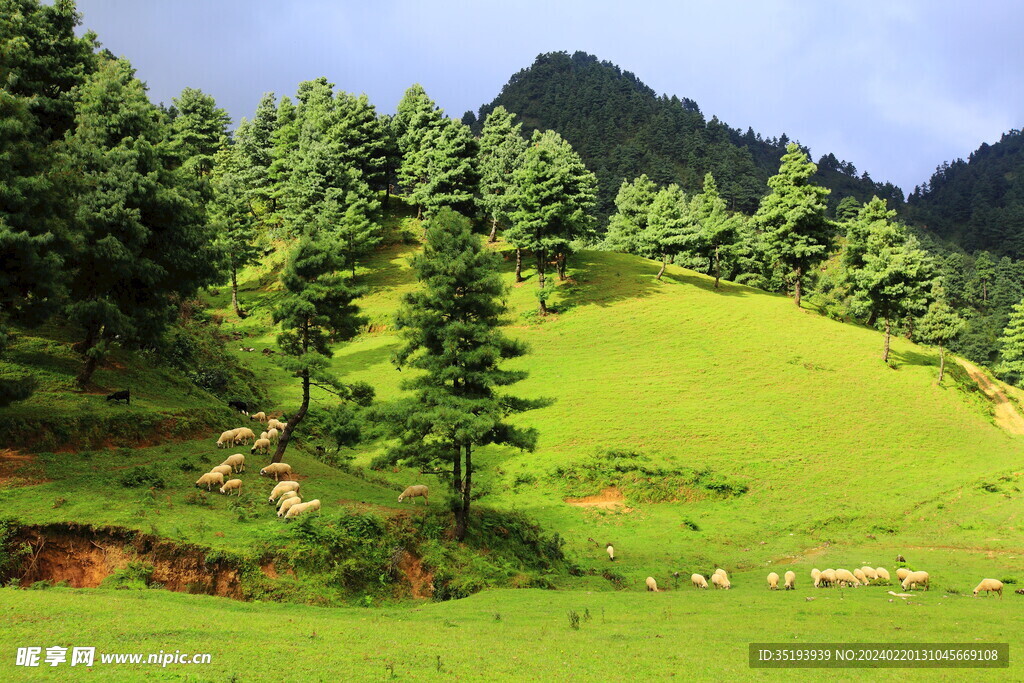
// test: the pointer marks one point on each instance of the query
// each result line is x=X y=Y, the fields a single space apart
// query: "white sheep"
x=773 y=581
x=282 y=487
x=790 y=581
x=232 y=485
x=861 y=576
x=611 y=552
x=264 y=435
x=243 y=435
x=274 y=423
x=720 y=581
x=870 y=573
x=652 y=585
x=237 y=461
x=226 y=438
x=287 y=504
x=261 y=445
x=278 y=469
x=272 y=434
x=299 y=508
x=223 y=469
x=902 y=573
x=413 y=492
x=699 y=581
x=722 y=572
x=816 y=576
x=285 y=496
x=882 y=573
x=827 y=578
x=913 y=579
x=261 y=416
x=209 y=479
x=847 y=577
x=989 y=586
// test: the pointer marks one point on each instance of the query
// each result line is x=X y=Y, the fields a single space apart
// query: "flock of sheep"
x=864 y=576
x=285 y=493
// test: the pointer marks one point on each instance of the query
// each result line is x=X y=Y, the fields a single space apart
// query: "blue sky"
x=894 y=87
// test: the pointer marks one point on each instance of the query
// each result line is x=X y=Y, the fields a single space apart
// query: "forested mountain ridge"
x=979 y=203
x=622 y=128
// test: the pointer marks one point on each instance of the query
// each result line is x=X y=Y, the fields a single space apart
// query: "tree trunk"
x=718 y=268
x=234 y=290
x=519 y=265
x=885 y=351
x=796 y=287
x=942 y=362
x=560 y=262
x=540 y=280
x=664 y=264
x=293 y=422
x=467 y=489
x=90 y=360
x=493 y=237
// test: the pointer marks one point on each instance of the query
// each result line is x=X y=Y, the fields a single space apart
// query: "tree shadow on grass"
x=897 y=359
x=360 y=360
x=388 y=268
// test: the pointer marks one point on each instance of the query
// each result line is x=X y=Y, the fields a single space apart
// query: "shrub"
x=143 y=476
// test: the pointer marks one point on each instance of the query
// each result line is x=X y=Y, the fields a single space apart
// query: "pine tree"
x=984 y=274
x=231 y=214
x=197 y=130
x=346 y=213
x=315 y=309
x=284 y=149
x=668 y=224
x=143 y=235
x=939 y=326
x=255 y=140
x=896 y=276
x=714 y=232
x=554 y=195
x=501 y=151
x=452 y=181
x=451 y=332
x=792 y=218
x=629 y=222
x=416 y=116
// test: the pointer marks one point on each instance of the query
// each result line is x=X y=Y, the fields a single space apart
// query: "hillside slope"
x=766 y=431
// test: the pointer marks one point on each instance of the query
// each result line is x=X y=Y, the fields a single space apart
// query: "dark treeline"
x=622 y=129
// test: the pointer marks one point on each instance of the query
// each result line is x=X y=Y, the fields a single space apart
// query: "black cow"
x=240 y=406
x=125 y=396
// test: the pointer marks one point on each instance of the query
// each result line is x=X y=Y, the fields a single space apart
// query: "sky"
x=896 y=87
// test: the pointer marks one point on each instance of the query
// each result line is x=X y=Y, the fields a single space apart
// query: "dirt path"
x=16 y=468
x=1005 y=413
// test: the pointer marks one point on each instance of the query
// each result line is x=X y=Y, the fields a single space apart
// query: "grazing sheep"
x=882 y=573
x=414 y=492
x=223 y=469
x=236 y=461
x=285 y=496
x=287 y=503
x=847 y=577
x=611 y=552
x=209 y=479
x=790 y=581
x=261 y=445
x=870 y=573
x=914 y=579
x=828 y=578
x=815 y=576
x=272 y=434
x=283 y=487
x=232 y=485
x=720 y=581
x=652 y=585
x=861 y=576
x=244 y=435
x=264 y=435
x=699 y=581
x=226 y=438
x=298 y=508
x=261 y=416
x=721 y=572
x=274 y=423
x=901 y=573
x=773 y=581
x=277 y=469
x=989 y=586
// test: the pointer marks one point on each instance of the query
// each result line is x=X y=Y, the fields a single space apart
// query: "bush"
x=135 y=575
x=143 y=476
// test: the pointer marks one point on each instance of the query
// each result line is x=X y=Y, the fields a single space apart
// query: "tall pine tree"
x=501 y=151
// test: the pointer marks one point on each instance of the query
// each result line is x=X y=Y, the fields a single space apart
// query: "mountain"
x=622 y=128
x=977 y=204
